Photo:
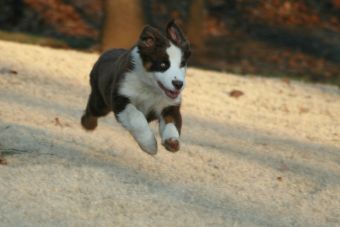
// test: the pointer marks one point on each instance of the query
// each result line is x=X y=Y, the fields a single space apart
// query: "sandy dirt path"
x=270 y=157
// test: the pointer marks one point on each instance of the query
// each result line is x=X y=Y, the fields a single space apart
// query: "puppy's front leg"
x=135 y=122
x=170 y=124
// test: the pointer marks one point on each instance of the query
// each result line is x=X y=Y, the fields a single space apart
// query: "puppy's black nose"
x=177 y=84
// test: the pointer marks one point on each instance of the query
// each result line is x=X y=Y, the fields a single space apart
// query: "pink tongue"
x=172 y=94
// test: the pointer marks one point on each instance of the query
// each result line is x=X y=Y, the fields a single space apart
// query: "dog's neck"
x=138 y=68
x=137 y=61
x=135 y=57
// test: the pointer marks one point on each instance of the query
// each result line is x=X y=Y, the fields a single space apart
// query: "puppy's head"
x=165 y=58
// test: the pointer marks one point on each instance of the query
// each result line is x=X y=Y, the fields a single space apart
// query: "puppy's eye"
x=163 y=65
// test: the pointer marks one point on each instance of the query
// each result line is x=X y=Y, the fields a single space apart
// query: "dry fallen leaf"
x=286 y=80
x=12 y=71
x=303 y=110
x=236 y=93
x=3 y=161
x=57 y=122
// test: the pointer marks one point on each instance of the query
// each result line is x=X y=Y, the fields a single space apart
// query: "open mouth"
x=171 y=94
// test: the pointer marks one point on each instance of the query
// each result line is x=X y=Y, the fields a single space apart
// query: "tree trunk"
x=195 y=24
x=123 y=21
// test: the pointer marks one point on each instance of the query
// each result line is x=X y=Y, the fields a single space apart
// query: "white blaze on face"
x=174 y=72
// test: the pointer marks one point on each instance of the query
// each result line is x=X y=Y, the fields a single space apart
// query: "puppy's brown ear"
x=175 y=34
x=148 y=36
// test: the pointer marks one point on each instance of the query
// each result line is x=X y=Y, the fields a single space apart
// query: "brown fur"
x=172 y=114
x=111 y=68
x=104 y=80
x=152 y=46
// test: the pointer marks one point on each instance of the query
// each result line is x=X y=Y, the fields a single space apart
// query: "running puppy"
x=141 y=85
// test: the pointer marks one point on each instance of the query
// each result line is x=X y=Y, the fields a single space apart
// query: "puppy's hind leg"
x=95 y=108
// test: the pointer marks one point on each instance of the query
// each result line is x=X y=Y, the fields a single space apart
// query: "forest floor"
x=267 y=154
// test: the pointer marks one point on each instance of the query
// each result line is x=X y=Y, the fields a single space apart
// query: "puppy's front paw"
x=171 y=144
x=149 y=145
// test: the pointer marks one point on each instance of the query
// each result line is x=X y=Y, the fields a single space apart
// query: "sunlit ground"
x=269 y=157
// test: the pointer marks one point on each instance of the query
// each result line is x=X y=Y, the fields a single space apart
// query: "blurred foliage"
x=299 y=39
x=57 y=19
x=32 y=39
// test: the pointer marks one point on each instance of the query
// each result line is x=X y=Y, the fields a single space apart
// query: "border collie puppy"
x=141 y=85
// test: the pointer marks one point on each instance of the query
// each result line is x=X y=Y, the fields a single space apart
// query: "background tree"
x=123 y=21
x=195 y=25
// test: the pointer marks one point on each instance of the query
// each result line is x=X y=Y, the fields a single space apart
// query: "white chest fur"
x=144 y=96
